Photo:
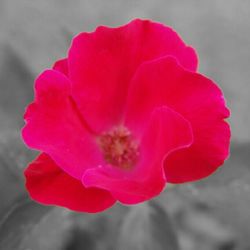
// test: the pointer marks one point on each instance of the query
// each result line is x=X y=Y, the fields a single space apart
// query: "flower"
x=121 y=116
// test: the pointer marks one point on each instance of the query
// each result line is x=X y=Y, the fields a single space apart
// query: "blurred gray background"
x=211 y=214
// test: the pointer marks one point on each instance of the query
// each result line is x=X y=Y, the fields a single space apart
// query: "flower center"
x=119 y=147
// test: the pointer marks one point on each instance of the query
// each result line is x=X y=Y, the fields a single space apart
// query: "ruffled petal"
x=102 y=63
x=49 y=185
x=209 y=151
x=195 y=97
x=62 y=66
x=166 y=132
x=54 y=126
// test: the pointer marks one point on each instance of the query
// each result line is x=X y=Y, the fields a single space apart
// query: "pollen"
x=119 y=147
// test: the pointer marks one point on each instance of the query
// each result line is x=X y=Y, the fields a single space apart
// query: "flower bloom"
x=121 y=116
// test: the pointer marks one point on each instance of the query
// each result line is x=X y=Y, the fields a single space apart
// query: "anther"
x=119 y=147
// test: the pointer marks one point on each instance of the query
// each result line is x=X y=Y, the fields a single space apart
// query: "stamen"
x=119 y=147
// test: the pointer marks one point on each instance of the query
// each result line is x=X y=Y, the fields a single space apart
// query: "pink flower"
x=122 y=115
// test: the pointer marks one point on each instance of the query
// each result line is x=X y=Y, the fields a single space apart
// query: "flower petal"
x=49 y=185
x=62 y=66
x=195 y=97
x=166 y=132
x=55 y=127
x=209 y=151
x=102 y=63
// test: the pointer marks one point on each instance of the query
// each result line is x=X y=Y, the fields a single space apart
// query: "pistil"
x=119 y=147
